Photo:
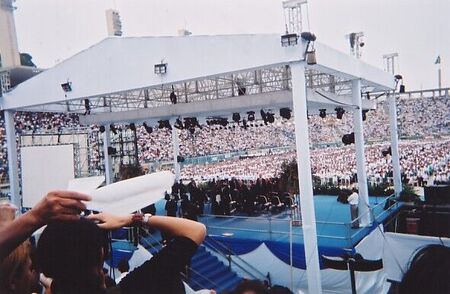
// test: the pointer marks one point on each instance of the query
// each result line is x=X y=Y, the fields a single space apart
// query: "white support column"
x=363 y=206
x=176 y=152
x=394 y=144
x=11 y=146
x=106 y=156
x=305 y=178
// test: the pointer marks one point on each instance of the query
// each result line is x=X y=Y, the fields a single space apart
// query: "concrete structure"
x=113 y=23
x=9 y=49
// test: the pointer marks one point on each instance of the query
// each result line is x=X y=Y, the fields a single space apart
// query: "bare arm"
x=172 y=225
x=56 y=205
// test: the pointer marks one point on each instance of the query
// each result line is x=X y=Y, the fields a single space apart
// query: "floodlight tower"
x=356 y=43
x=293 y=15
x=9 y=49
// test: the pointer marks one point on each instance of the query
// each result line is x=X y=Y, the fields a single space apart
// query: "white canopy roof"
x=115 y=73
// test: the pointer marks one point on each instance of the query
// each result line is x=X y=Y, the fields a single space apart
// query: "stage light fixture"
x=102 y=129
x=173 y=96
x=289 y=40
x=263 y=116
x=180 y=159
x=270 y=117
x=148 y=128
x=178 y=124
x=364 y=114
x=402 y=86
x=132 y=127
x=112 y=150
x=113 y=129
x=322 y=113
x=161 y=68
x=87 y=106
x=244 y=124
x=285 y=113
x=308 y=36
x=251 y=115
x=348 y=139
x=164 y=124
x=236 y=117
x=339 y=112
x=67 y=87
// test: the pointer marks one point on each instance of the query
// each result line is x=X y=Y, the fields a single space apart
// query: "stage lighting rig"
x=310 y=52
x=102 y=129
x=348 y=139
x=339 y=112
x=289 y=40
x=251 y=115
x=236 y=117
x=399 y=78
x=322 y=113
x=67 y=87
x=148 y=128
x=285 y=113
x=113 y=129
x=161 y=68
x=178 y=124
x=164 y=124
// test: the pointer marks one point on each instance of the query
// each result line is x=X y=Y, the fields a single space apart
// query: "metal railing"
x=228 y=253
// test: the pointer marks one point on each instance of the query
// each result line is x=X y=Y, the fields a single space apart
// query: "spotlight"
x=236 y=117
x=339 y=112
x=322 y=113
x=364 y=114
x=264 y=116
x=102 y=129
x=160 y=68
x=178 y=124
x=251 y=115
x=402 y=89
x=87 y=107
x=148 y=128
x=67 y=87
x=311 y=57
x=270 y=117
x=173 y=96
x=285 y=113
x=132 y=127
x=164 y=124
x=348 y=139
x=387 y=151
x=289 y=40
x=113 y=129
x=308 y=36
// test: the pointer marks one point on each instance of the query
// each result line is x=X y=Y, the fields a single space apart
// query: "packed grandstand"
x=423 y=129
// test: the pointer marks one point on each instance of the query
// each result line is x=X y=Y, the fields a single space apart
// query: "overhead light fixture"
x=244 y=124
x=270 y=117
x=251 y=115
x=164 y=124
x=87 y=106
x=285 y=113
x=308 y=36
x=402 y=86
x=348 y=139
x=132 y=127
x=236 y=117
x=339 y=112
x=161 y=68
x=113 y=129
x=387 y=151
x=102 y=129
x=178 y=124
x=148 y=128
x=322 y=113
x=310 y=52
x=364 y=114
x=289 y=40
x=67 y=87
x=173 y=96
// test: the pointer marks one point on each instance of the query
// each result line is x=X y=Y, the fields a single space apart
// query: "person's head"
x=17 y=275
x=250 y=287
x=72 y=254
x=428 y=271
x=123 y=266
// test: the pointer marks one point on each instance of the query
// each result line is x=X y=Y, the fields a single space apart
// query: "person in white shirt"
x=353 y=200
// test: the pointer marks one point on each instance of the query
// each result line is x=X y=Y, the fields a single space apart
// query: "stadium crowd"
x=417 y=117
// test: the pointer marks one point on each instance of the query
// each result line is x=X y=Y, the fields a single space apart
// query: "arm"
x=56 y=205
x=178 y=227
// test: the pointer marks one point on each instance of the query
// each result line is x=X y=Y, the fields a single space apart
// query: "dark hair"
x=123 y=266
x=250 y=285
x=428 y=271
x=69 y=253
x=277 y=289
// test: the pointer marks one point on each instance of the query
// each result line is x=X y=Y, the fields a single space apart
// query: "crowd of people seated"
x=417 y=117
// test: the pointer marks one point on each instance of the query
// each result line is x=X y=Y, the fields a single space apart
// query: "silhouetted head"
x=72 y=254
x=428 y=271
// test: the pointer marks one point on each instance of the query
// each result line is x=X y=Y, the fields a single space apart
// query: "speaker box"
x=437 y=194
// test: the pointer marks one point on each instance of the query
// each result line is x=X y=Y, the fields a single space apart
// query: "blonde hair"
x=12 y=266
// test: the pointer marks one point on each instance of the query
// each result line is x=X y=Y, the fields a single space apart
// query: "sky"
x=54 y=30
